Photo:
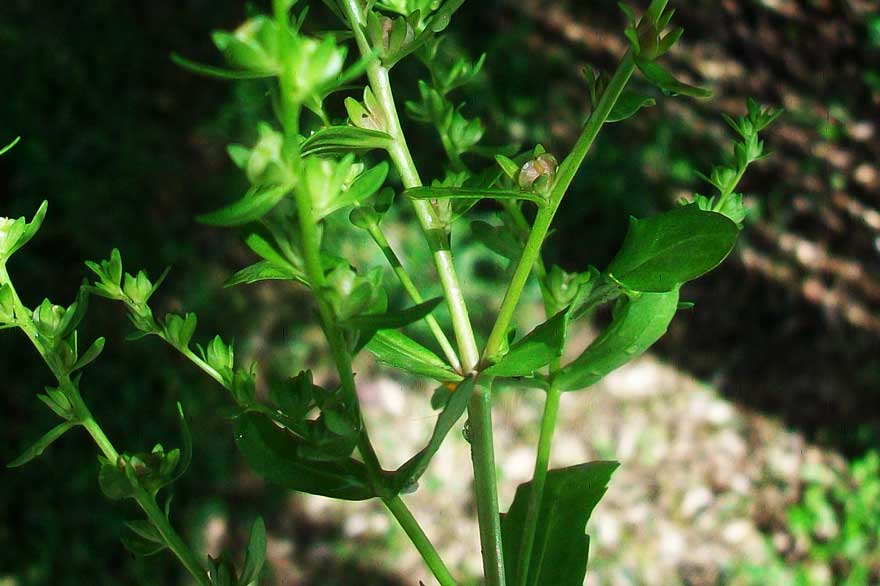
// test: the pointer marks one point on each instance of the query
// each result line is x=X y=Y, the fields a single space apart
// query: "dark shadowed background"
x=128 y=148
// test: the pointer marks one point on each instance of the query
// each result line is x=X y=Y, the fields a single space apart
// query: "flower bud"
x=538 y=173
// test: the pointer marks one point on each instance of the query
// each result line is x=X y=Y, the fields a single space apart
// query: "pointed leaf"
x=400 y=351
x=41 y=444
x=476 y=194
x=256 y=554
x=253 y=206
x=264 y=271
x=628 y=104
x=274 y=454
x=536 y=350
x=664 y=251
x=561 y=547
x=6 y=148
x=337 y=140
x=637 y=323
x=664 y=80
x=90 y=355
x=212 y=71
x=394 y=319
x=408 y=474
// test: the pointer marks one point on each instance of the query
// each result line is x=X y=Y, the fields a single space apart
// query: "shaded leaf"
x=41 y=444
x=475 y=194
x=218 y=72
x=256 y=554
x=628 y=104
x=394 y=319
x=408 y=474
x=274 y=454
x=264 y=271
x=344 y=139
x=253 y=206
x=664 y=80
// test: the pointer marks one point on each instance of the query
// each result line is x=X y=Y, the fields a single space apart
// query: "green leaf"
x=337 y=140
x=253 y=206
x=536 y=350
x=468 y=193
x=408 y=474
x=41 y=444
x=255 y=556
x=144 y=541
x=561 y=547
x=662 y=252
x=264 y=271
x=364 y=187
x=185 y=447
x=628 y=104
x=400 y=351
x=113 y=479
x=636 y=324
x=274 y=454
x=498 y=239
x=9 y=146
x=394 y=319
x=219 y=72
x=90 y=355
x=664 y=80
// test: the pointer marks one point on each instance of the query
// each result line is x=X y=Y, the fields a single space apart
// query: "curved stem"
x=414 y=531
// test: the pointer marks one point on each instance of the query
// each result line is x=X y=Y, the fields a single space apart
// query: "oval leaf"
x=662 y=252
x=636 y=325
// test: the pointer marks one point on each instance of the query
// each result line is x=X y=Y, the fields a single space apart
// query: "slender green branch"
x=435 y=229
x=403 y=276
x=420 y=540
x=144 y=499
x=485 y=483
x=539 y=479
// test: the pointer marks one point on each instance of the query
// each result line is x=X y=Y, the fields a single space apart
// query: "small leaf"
x=394 y=319
x=498 y=239
x=185 y=447
x=664 y=251
x=408 y=474
x=561 y=547
x=536 y=350
x=400 y=351
x=256 y=554
x=636 y=324
x=114 y=480
x=218 y=72
x=476 y=194
x=253 y=206
x=337 y=140
x=90 y=355
x=628 y=104
x=274 y=454
x=6 y=148
x=264 y=271
x=664 y=80
x=41 y=444
x=141 y=547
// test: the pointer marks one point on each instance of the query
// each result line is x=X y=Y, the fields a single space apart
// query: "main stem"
x=436 y=232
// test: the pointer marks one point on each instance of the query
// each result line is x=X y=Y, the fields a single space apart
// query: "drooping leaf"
x=394 y=319
x=666 y=82
x=637 y=323
x=264 y=271
x=274 y=454
x=218 y=72
x=561 y=547
x=536 y=350
x=628 y=104
x=662 y=252
x=408 y=474
x=144 y=540
x=400 y=351
x=41 y=444
x=253 y=206
x=474 y=194
x=337 y=140
x=255 y=556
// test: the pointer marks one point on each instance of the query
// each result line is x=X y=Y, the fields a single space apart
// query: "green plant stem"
x=541 y=226
x=485 y=483
x=434 y=227
x=409 y=286
x=144 y=499
x=539 y=479
x=420 y=540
